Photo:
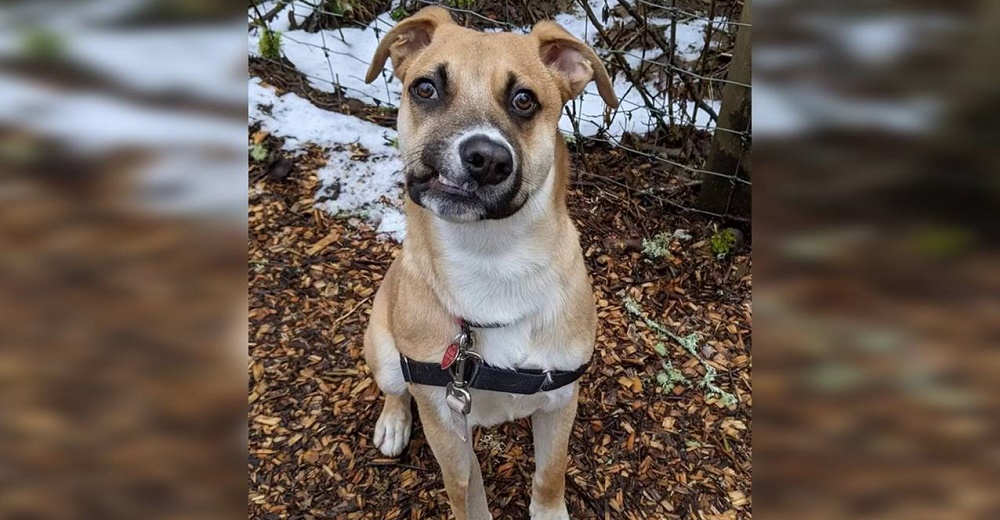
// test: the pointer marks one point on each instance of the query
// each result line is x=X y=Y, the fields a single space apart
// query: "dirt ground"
x=637 y=451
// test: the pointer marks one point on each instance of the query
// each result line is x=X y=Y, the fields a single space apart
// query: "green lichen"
x=258 y=152
x=657 y=248
x=670 y=376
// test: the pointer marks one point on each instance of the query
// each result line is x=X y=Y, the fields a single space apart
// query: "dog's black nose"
x=485 y=160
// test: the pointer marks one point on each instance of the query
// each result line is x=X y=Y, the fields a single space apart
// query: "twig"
x=704 y=55
x=623 y=64
x=670 y=70
x=266 y=17
x=393 y=464
x=700 y=103
x=349 y=313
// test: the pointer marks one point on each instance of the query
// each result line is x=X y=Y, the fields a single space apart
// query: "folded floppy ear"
x=406 y=39
x=573 y=61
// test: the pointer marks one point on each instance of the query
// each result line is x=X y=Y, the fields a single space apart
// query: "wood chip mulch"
x=637 y=451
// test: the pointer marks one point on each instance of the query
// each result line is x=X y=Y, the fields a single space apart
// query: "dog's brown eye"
x=523 y=102
x=424 y=89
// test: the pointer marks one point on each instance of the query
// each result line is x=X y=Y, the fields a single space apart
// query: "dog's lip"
x=447 y=182
x=441 y=183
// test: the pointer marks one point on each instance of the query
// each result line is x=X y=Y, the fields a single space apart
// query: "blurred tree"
x=730 y=152
x=955 y=180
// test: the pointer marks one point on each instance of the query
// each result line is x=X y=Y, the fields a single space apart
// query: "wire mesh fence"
x=681 y=69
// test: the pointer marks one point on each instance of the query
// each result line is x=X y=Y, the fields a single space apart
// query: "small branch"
x=639 y=87
x=345 y=316
x=268 y=16
x=700 y=103
x=393 y=464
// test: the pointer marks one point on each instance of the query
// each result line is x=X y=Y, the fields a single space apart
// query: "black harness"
x=473 y=372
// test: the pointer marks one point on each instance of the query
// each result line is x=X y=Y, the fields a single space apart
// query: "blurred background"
x=123 y=239
x=876 y=295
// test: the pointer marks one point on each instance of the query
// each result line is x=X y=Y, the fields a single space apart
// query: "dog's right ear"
x=406 y=39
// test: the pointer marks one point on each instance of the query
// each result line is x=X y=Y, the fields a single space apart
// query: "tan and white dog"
x=489 y=240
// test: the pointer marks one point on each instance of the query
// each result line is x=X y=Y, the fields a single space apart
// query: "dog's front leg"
x=462 y=478
x=551 y=432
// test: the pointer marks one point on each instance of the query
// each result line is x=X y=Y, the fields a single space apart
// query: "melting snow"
x=369 y=186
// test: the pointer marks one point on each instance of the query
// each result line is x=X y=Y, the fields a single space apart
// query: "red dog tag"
x=450 y=354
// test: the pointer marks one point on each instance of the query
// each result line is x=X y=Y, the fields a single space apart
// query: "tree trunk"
x=730 y=152
x=955 y=172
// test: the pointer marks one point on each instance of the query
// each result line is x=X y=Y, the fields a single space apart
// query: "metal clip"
x=459 y=402
x=459 y=399
x=465 y=342
x=457 y=395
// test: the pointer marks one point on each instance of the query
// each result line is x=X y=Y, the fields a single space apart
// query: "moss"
x=940 y=242
x=43 y=44
x=398 y=13
x=270 y=44
x=722 y=242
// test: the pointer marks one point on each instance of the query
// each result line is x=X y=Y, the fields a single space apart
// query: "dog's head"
x=479 y=117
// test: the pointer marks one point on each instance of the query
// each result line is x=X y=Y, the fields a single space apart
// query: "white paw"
x=392 y=431
x=556 y=513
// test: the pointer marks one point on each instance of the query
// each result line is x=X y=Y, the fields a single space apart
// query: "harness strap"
x=485 y=377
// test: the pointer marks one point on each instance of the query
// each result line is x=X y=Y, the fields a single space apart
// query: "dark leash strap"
x=481 y=376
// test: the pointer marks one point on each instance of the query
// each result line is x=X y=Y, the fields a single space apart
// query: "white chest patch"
x=493 y=275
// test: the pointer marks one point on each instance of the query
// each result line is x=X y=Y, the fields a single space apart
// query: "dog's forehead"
x=473 y=50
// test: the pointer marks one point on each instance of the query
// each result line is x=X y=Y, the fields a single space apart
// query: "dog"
x=490 y=289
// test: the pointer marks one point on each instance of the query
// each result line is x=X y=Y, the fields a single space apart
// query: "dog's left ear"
x=406 y=39
x=573 y=61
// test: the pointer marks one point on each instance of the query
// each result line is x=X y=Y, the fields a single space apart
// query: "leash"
x=461 y=368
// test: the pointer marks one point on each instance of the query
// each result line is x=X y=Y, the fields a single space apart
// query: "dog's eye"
x=424 y=89
x=523 y=102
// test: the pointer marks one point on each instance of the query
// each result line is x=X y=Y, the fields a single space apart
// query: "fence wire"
x=638 y=41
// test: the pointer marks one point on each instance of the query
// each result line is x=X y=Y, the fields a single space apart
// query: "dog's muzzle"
x=468 y=177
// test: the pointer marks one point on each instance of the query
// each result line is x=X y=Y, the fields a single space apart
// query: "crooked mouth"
x=443 y=184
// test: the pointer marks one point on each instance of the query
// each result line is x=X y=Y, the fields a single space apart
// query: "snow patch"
x=341 y=57
x=363 y=170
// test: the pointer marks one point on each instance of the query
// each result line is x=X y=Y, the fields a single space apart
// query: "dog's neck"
x=492 y=271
